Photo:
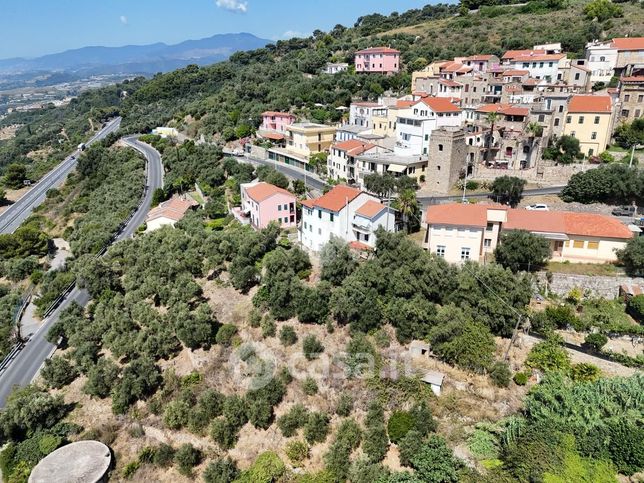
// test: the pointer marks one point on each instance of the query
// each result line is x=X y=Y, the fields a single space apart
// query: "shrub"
x=520 y=378
x=268 y=326
x=595 y=341
x=316 y=428
x=483 y=445
x=163 y=455
x=290 y=422
x=548 y=356
x=187 y=457
x=409 y=445
x=399 y=424
x=584 y=372
x=345 y=405
x=312 y=347
x=297 y=452
x=58 y=372
x=288 y=335
x=309 y=386
x=254 y=318
x=131 y=468
x=176 y=414
x=223 y=433
x=635 y=307
x=500 y=374
x=267 y=468
x=225 y=334
x=222 y=470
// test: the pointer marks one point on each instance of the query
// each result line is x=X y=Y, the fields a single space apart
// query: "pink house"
x=264 y=202
x=381 y=60
x=276 y=121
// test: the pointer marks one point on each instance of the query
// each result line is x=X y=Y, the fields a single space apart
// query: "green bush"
x=316 y=428
x=500 y=374
x=345 y=405
x=595 y=341
x=225 y=334
x=131 y=468
x=399 y=424
x=222 y=470
x=483 y=445
x=176 y=414
x=635 y=307
x=288 y=335
x=297 y=452
x=520 y=378
x=58 y=372
x=163 y=455
x=312 y=347
x=269 y=328
x=186 y=458
x=292 y=420
x=255 y=318
x=309 y=386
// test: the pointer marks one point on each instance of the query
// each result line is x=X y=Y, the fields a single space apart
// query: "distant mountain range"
x=136 y=59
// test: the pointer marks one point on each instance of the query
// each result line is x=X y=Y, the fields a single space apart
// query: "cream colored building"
x=461 y=232
x=306 y=138
x=590 y=119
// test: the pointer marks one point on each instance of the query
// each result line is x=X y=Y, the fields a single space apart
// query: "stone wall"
x=596 y=286
x=258 y=152
x=546 y=175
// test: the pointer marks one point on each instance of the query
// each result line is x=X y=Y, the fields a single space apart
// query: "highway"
x=18 y=212
x=26 y=364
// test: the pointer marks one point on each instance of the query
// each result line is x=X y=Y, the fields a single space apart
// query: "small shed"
x=419 y=348
x=435 y=380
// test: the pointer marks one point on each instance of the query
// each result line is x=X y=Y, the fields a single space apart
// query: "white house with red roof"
x=415 y=124
x=263 y=203
x=461 y=232
x=619 y=56
x=341 y=162
x=347 y=213
x=381 y=60
x=361 y=113
x=169 y=212
x=540 y=64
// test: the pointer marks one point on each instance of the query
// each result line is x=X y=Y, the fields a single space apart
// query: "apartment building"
x=590 y=119
x=381 y=60
x=341 y=163
x=631 y=98
x=263 y=203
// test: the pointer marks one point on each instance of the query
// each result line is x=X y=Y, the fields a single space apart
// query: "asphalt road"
x=317 y=184
x=26 y=365
x=18 y=212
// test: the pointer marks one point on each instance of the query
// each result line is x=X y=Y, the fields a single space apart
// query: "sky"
x=30 y=28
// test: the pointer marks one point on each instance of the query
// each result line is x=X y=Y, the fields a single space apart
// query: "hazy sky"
x=35 y=27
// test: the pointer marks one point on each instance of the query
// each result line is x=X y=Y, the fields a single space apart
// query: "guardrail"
x=63 y=295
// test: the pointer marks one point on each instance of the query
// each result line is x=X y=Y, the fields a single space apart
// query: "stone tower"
x=447 y=158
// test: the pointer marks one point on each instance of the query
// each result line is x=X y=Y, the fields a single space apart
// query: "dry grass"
x=593 y=269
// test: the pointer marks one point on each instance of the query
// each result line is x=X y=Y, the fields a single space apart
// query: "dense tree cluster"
x=613 y=183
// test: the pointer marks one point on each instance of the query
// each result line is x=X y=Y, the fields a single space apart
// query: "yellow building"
x=306 y=138
x=384 y=121
x=590 y=119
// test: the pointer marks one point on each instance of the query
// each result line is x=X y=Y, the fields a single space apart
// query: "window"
x=440 y=251
x=366 y=238
x=292 y=218
x=426 y=137
x=568 y=119
x=489 y=227
x=465 y=253
x=577 y=76
x=305 y=225
x=440 y=147
x=279 y=220
x=487 y=243
x=331 y=217
x=556 y=121
x=627 y=97
x=591 y=151
x=542 y=117
x=637 y=112
x=593 y=135
x=311 y=228
x=572 y=133
x=596 y=120
x=593 y=245
x=640 y=98
x=581 y=119
x=561 y=108
x=578 y=244
x=279 y=207
x=320 y=214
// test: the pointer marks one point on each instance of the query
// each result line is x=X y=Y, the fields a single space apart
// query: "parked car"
x=626 y=210
x=538 y=207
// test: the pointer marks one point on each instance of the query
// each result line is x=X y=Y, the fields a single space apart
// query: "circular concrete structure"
x=80 y=462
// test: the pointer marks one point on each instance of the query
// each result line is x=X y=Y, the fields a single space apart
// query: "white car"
x=538 y=207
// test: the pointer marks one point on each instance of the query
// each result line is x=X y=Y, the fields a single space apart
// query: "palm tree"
x=492 y=118
x=407 y=206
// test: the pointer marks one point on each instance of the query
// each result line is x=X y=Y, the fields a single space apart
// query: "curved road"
x=18 y=212
x=26 y=364
x=316 y=183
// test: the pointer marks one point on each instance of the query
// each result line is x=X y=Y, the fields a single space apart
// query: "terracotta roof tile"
x=354 y=147
x=378 y=50
x=450 y=83
x=479 y=57
x=636 y=79
x=511 y=54
x=277 y=113
x=505 y=109
x=402 y=104
x=272 y=135
x=261 y=191
x=581 y=103
x=628 y=43
x=516 y=72
x=370 y=209
x=439 y=104
x=569 y=223
x=174 y=209
x=335 y=199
